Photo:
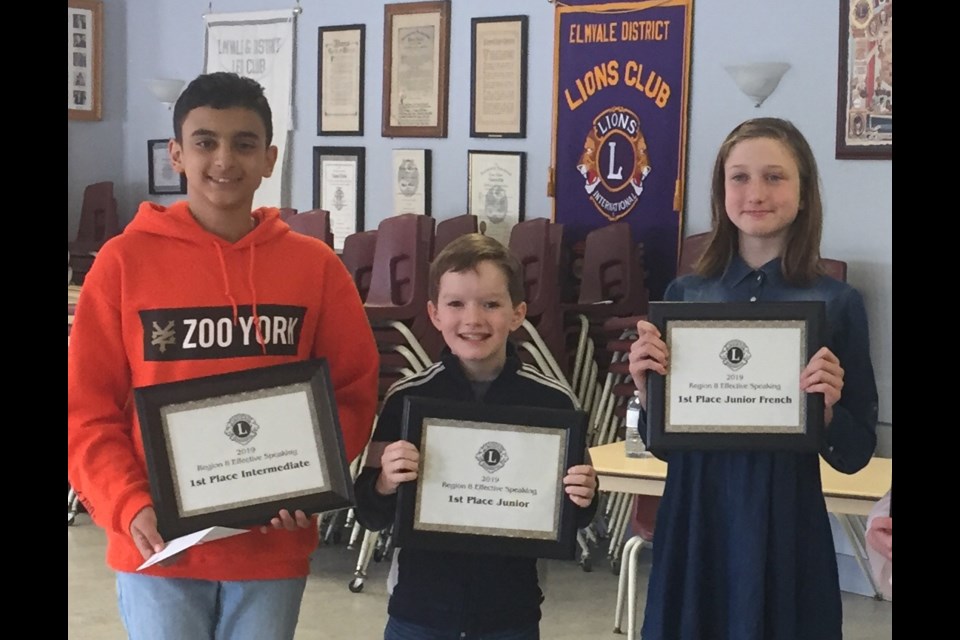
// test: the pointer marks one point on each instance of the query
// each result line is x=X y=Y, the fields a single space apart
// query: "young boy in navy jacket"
x=476 y=301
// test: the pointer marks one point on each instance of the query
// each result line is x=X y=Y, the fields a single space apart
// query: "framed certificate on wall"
x=498 y=77
x=411 y=181
x=338 y=187
x=340 y=67
x=496 y=190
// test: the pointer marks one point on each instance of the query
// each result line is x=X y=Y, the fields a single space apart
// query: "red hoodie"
x=138 y=322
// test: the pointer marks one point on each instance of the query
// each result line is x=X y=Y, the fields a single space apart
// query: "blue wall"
x=164 y=38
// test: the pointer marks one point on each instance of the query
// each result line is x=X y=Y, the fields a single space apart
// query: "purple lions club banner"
x=620 y=102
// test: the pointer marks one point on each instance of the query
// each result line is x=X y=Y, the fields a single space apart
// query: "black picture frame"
x=422 y=415
x=325 y=126
x=712 y=388
x=417 y=164
x=171 y=455
x=864 y=97
x=157 y=153
x=495 y=180
x=520 y=54
x=343 y=222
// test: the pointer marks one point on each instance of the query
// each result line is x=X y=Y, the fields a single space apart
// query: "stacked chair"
x=451 y=228
x=315 y=222
x=357 y=257
x=98 y=223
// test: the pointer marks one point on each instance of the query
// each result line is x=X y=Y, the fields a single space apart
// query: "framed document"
x=496 y=190
x=490 y=478
x=865 y=81
x=734 y=376
x=338 y=187
x=416 y=69
x=340 y=66
x=84 y=59
x=411 y=181
x=498 y=77
x=233 y=449
x=162 y=178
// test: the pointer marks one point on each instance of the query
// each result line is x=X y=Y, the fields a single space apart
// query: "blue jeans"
x=402 y=630
x=155 y=608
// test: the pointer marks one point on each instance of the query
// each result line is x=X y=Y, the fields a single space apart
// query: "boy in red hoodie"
x=275 y=297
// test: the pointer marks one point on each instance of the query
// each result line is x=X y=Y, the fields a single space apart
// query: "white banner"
x=259 y=45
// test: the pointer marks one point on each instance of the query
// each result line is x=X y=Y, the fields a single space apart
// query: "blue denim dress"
x=743 y=548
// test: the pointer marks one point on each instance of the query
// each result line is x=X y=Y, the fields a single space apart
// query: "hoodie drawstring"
x=233 y=303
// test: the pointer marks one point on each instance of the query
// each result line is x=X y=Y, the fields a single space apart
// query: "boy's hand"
x=580 y=483
x=823 y=374
x=143 y=530
x=284 y=520
x=647 y=353
x=880 y=536
x=399 y=463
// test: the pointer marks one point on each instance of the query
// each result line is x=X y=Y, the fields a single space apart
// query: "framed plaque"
x=416 y=69
x=490 y=478
x=411 y=181
x=733 y=381
x=338 y=187
x=340 y=66
x=84 y=59
x=162 y=178
x=233 y=449
x=498 y=77
x=496 y=190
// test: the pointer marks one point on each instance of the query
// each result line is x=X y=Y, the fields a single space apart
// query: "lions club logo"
x=492 y=456
x=735 y=354
x=614 y=162
x=242 y=428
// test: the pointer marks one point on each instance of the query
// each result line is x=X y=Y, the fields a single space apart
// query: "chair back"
x=451 y=228
x=98 y=218
x=286 y=213
x=401 y=262
x=357 y=256
x=612 y=271
x=315 y=222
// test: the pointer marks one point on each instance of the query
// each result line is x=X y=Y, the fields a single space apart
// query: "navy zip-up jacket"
x=461 y=591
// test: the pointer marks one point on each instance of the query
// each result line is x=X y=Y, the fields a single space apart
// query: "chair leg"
x=632 y=568
x=622 y=584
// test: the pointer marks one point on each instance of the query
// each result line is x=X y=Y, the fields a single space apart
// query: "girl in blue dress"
x=743 y=547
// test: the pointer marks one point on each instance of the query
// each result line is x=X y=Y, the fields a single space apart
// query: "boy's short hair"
x=469 y=250
x=222 y=90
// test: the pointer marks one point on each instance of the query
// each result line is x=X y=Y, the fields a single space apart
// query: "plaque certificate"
x=338 y=185
x=733 y=380
x=411 y=181
x=340 y=85
x=491 y=478
x=495 y=188
x=498 y=73
x=234 y=449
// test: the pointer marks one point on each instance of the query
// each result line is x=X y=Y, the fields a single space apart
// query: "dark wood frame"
x=661 y=314
x=359 y=154
x=427 y=177
x=152 y=187
x=522 y=132
x=151 y=400
x=844 y=149
x=363 y=55
x=95 y=61
x=563 y=546
x=442 y=8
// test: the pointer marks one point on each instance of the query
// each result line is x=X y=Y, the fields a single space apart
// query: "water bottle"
x=634 y=445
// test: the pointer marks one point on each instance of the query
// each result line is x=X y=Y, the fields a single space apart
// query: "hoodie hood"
x=177 y=222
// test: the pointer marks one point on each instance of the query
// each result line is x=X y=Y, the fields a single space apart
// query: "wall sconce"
x=166 y=90
x=757 y=80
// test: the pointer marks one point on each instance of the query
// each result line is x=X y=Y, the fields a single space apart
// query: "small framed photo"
x=865 y=80
x=490 y=478
x=498 y=77
x=734 y=377
x=411 y=181
x=416 y=69
x=84 y=59
x=163 y=179
x=338 y=187
x=340 y=73
x=496 y=190
x=233 y=449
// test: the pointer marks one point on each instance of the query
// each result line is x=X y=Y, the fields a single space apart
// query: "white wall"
x=164 y=38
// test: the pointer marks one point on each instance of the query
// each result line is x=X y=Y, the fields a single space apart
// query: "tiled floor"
x=579 y=605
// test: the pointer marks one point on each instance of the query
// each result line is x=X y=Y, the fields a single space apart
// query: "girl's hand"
x=880 y=536
x=399 y=463
x=823 y=374
x=288 y=521
x=647 y=353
